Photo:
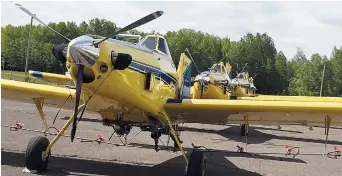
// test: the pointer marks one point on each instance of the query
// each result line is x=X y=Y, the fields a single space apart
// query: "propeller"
x=133 y=25
x=79 y=80
x=58 y=51
x=36 y=18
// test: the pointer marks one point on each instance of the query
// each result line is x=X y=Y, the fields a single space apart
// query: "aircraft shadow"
x=254 y=136
x=174 y=166
x=226 y=153
x=266 y=128
x=261 y=128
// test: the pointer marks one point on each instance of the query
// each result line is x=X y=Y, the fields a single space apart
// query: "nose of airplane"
x=82 y=51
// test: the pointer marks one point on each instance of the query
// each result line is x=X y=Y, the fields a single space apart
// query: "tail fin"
x=184 y=75
x=229 y=70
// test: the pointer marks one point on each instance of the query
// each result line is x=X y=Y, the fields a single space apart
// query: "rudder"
x=184 y=75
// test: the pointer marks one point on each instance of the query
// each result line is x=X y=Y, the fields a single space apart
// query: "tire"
x=243 y=130
x=197 y=164
x=34 y=154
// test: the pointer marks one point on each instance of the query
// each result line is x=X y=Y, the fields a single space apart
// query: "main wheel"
x=197 y=164
x=35 y=158
x=243 y=130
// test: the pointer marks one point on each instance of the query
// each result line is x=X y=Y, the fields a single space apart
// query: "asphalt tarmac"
x=265 y=146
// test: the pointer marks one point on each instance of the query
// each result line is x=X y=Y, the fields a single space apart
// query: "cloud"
x=313 y=26
x=333 y=21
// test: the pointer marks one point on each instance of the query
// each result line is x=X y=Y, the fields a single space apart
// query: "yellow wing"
x=257 y=112
x=58 y=78
x=25 y=92
x=293 y=98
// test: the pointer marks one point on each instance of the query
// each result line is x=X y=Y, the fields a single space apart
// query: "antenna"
x=255 y=75
x=243 y=67
x=237 y=68
x=192 y=60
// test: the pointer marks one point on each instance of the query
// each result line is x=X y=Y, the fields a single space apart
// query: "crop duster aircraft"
x=217 y=83
x=138 y=85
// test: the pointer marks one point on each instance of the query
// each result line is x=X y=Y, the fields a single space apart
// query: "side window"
x=150 y=43
x=161 y=45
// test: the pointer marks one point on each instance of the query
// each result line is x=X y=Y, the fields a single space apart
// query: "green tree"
x=282 y=83
x=336 y=64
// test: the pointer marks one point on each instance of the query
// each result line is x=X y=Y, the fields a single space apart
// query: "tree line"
x=274 y=73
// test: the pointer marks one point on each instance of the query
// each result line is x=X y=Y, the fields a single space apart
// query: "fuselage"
x=139 y=91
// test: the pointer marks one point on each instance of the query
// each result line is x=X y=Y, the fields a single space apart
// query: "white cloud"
x=312 y=26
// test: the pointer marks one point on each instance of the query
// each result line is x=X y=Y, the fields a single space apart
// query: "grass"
x=20 y=76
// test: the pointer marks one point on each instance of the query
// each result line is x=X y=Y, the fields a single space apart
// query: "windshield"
x=216 y=68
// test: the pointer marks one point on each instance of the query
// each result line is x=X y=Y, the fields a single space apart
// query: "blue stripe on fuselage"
x=148 y=69
x=37 y=74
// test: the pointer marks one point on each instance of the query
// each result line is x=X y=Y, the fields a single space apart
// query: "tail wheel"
x=35 y=158
x=197 y=164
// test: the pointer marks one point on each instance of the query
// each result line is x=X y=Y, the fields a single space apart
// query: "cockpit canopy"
x=156 y=43
x=219 y=68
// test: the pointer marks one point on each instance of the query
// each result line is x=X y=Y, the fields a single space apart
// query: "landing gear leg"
x=327 y=127
x=244 y=129
x=175 y=145
x=39 y=148
x=155 y=136
x=175 y=136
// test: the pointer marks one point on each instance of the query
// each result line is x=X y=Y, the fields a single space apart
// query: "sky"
x=315 y=27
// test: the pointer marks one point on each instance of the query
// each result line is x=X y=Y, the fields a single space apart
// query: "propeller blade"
x=59 y=51
x=36 y=18
x=133 y=25
x=79 y=81
x=201 y=91
x=201 y=86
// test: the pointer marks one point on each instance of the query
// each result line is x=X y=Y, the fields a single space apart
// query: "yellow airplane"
x=138 y=85
x=216 y=83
